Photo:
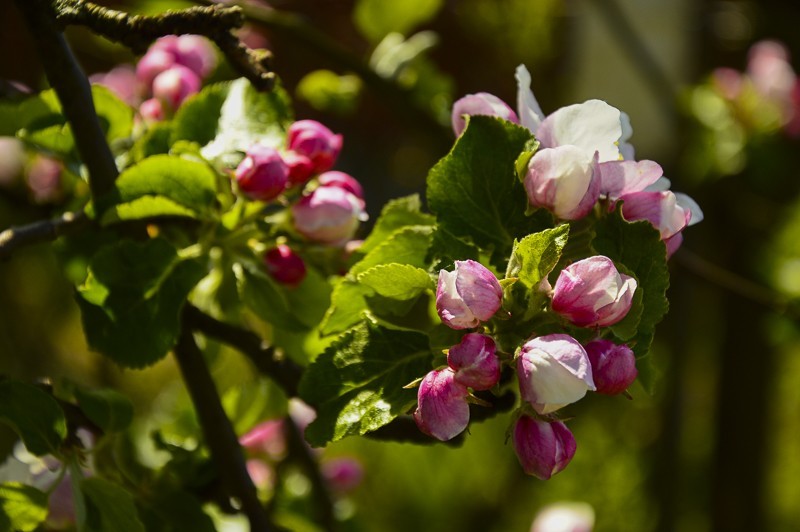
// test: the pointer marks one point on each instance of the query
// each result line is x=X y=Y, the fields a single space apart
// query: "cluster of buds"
x=266 y=446
x=584 y=157
x=327 y=212
x=553 y=370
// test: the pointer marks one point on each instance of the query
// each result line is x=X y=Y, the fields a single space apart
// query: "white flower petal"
x=691 y=205
x=530 y=113
x=592 y=126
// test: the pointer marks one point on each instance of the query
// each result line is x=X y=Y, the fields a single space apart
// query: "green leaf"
x=348 y=304
x=34 y=415
x=638 y=247
x=535 y=256
x=475 y=193
x=226 y=119
x=116 y=117
x=155 y=141
x=22 y=507
x=408 y=245
x=131 y=302
x=356 y=385
x=109 y=507
x=108 y=409
x=328 y=91
x=56 y=139
x=175 y=510
x=266 y=299
x=397 y=281
x=161 y=185
x=377 y=18
x=396 y=214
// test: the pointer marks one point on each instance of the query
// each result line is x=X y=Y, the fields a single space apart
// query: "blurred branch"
x=301 y=453
x=647 y=66
x=137 y=32
x=735 y=283
x=284 y=372
x=73 y=91
x=14 y=238
x=219 y=434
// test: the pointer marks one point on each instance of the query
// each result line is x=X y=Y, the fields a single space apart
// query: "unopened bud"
x=262 y=174
x=315 y=141
x=481 y=103
x=284 y=265
x=474 y=361
x=543 y=448
x=613 y=366
x=442 y=409
x=468 y=295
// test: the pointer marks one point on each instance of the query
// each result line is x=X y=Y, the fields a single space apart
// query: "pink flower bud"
x=262 y=175
x=300 y=167
x=342 y=474
x=468 y=295
x=260 y=473
x=564 y=180
x=122 y=81
x=475 y=361
x=342 y=180
x=153 y=63
x=284 y=265
x=660 y=208
x=553 y=371
x=196 y=53
x=315 y=141
x=265 y=439
x=613 y=366
x=174 y=85
x=481 y=103
x=152 y=110
x=442 y=409
x=543 y=448
x=329 y=215
x=592 y=293
x=44 y=179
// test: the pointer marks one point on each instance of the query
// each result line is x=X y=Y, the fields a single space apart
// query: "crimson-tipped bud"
x=342 y=474
x=329 y=215
x=342 y=180
x=153 y=63
x=613 y=366
x=468 y=295
x=300 y=167
x=592 y=293
x=174 y=85
x=543 y=448
x=442 y=409
x=481 y=103
x=262 y=174
x=474 y=361
x=553 y=371
x=284 y=265
x=315 y=141
x=152 y=110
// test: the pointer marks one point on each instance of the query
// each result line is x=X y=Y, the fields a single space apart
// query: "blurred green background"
x=717 y=445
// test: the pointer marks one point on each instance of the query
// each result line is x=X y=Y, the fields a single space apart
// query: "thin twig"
x=283 y=371
x=138 y=31
x=73 y=91
x=301 y=453
x=14 y=238
x=219 y=434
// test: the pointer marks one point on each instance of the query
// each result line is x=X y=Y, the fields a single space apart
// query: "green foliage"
x=227 y=118
x=108 y=507
x=356 y=385
x=134 y=287
x=161 y=185
x=22 y=508
x=34 y=415
x=108 y=409
x=637 y=246
x=327 y=91
x=266 y=299
x=375 y=18
x=396 y=214
x=174 y=510
x=396 y=281
x=474 y=191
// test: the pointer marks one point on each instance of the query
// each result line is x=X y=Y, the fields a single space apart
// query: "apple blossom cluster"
x=553 y=370
x=266 y=446
x=328 y=212
x=173 y=69
x=767 y=94
x=584 y=160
